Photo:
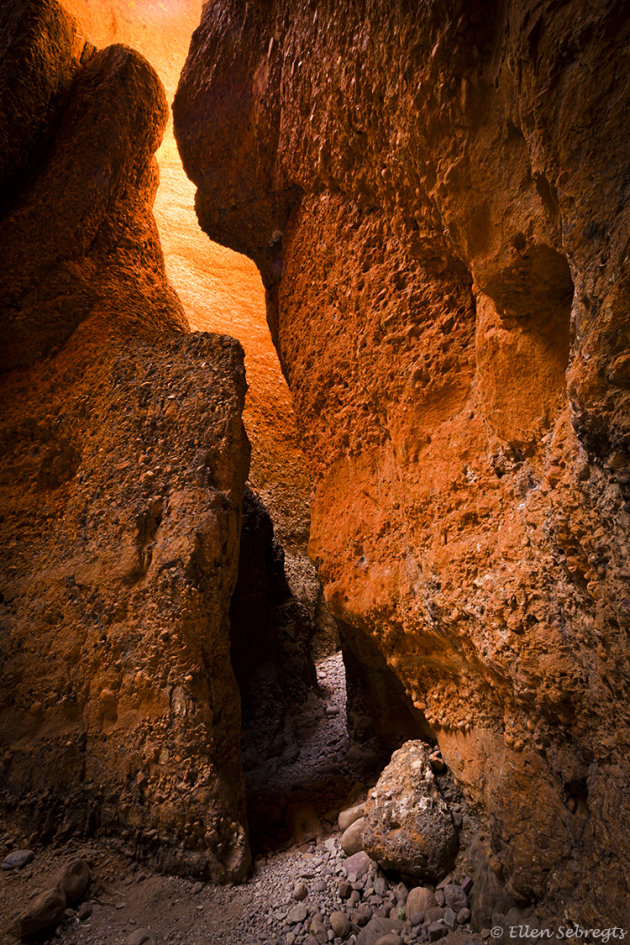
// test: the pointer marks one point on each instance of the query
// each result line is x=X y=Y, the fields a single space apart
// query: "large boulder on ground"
x=124 y=463
x=73 y=880
x=44 y=912
x=408 y=825
x=436 y=195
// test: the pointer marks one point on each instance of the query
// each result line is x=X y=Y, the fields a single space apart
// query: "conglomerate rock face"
x=124 y=463
x=436 y=195
x=408 y=825
x=221 y=291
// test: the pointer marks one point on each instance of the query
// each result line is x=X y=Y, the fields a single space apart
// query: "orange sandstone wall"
x=220 y=290
x=124 y=460
x=436 y=196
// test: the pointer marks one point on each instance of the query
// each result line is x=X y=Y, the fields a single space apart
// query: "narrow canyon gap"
x=277 y=615
x=435 y=195
x=182 y=569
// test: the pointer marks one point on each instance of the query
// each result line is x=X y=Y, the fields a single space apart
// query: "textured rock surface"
x=96 y=180
x=437 y=200
x=73 y=880
x=43 y=912
x=408 y=825
x=124 y=462
x=220 y=290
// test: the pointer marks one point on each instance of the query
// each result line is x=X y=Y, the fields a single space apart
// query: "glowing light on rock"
x=221 y=290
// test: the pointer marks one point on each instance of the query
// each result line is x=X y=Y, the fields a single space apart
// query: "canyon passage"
x=314 y=502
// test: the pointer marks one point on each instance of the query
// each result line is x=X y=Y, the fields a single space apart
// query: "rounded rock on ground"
x=347 y=817
x=363 y=915
x=455 y=897
x=450 y=918
x=390 y=938
x=140 y=937
x=340 y=924
x=357 y=865
x=43 y=912
x=74 y=879
x=380 y=886
x=351 y=839
x=419 y=901
x=376 y=928
x=317 y=929
x=424 y=842
x=400 y=892
x=344 y=889
x=18 y=859
x=85 y=911
x=299 y=892
x=297 y=914
x=434 y=914
x=435 y=931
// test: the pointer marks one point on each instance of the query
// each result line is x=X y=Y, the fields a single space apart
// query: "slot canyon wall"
x=124 y=461
x=220 y=290
x=436 y=195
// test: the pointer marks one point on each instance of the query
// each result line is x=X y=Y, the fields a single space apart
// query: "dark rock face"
x=270 y=636
x=41 y=51
x=124 y=463
x=377 y=705
x=436 y=195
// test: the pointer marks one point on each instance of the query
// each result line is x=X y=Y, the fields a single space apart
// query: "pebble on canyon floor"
x=348 y=816
x=419 y=901
x=18 y=859
x=140 y=937
x=351 y=839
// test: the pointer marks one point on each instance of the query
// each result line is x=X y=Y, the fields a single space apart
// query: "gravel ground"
x=126 y=897
x=292 y=891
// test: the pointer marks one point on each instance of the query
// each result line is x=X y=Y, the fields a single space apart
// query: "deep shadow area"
x=314 y=734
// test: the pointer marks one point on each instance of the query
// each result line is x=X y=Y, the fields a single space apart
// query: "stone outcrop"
x=221 y=291
x=408 y=825
x=436 y=196
x=124 y=463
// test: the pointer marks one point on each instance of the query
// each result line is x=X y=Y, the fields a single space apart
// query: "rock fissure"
x=446 y=367
x=443 y=252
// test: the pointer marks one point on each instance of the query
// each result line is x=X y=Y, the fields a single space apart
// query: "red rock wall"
x=221 y=291
x=436 y=196
x=124 y=463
